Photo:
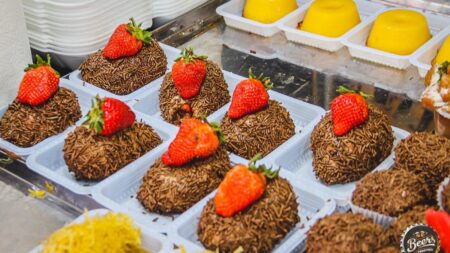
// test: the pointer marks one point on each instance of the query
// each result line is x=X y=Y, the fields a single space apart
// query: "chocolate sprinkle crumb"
x=258 y=228
x=259 y=132
x=345 y=232
x=426 y=155
x=168 y=189
x=414 y=216
x=339 y=160
x=94 y=157
x=390 y=192
x=212 y=96
x=25 y=125
x=125 y=75
x=446 y=198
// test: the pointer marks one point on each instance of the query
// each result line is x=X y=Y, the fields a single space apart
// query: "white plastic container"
x=49 y=161
x=297 y=158
x=171 y=53
x=356 y=40
x=290 y=23
x=151 y=241
x=313 y=205
x=304 y=115
x=232 y=13
x=84 y=99
x=422 y=58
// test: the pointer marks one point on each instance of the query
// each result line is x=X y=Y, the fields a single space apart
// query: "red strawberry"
x=348 y=110
x=440 y=222
x=195 y=139
x=249 y=96
x=39 y=83
x=241 y=187
x=188 y=73
x=126 y=41
x=109 y=116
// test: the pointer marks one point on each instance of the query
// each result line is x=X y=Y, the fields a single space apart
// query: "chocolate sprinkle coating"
x=124 y=75
x=91 y=156
x=345 y=232
x=259 y=132
x=446 y=198
x=256 y=229
x=390 y=192
x=167 y=189
x=25 y=125
x=389 y=249
x=426 y=155
x=340 y=160
x=212 y=96
x=414 y=216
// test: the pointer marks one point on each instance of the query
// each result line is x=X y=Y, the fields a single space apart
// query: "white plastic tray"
x=171 y=53
x=422 y=58
x=356 y=39
x=84 y=99
x=297 y=158
x=304 y=115
x=313 y=205
x=290 y=23
x=151 y=241
x=50 y=163
x=120 y=191
x=232 y=13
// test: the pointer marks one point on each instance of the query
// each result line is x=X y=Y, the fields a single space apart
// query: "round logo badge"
x=420 y=238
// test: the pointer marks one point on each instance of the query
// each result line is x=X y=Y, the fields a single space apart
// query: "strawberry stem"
x=94 y=119
x=216 y=127
x=40 y=62
x=187 y=54
x=344 y=90
x=268 y=172
x=138 y=32
x=264 y=79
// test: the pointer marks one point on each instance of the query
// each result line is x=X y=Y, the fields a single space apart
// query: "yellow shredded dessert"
x=112 y=233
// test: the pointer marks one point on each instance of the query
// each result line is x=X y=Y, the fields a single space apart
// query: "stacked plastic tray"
x=118 y=192
x=355 y=39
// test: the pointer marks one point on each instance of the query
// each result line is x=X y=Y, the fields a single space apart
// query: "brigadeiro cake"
x=253 y=209
x=254 y=123
x=345 y=232
x=195 y=88
x=443 y=195
x=108 y=141
x=426 y=155
x=389 y=193
x=192 y=167
x=130 y=60
x=41 y=109
x=405 y=220
x=351 y=140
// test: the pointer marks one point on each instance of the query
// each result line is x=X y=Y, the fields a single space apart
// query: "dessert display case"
x=305 y=81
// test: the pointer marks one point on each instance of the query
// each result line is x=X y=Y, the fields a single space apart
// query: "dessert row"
x=371 y=31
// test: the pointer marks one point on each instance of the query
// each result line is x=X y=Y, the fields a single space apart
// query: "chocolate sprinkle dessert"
x=167 y=189
x=91 y=156
x=345 y=232
x=256 y=229
x=414 y=216
x=340 y=160
x=426 y=155
x=389 y=249
x=25 y=125
x=259 y=132
x=212 y=96
x=446 y=198
x=390 y=192
x=124 y=75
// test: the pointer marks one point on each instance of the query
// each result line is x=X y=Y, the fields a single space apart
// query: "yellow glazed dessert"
x=444 y=53
x=268 y=11
x=399 y=32
x=331 y=18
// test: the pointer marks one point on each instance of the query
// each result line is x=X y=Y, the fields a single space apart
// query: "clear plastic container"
x=84 y=99
x=290 y=23
x=49 y=161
